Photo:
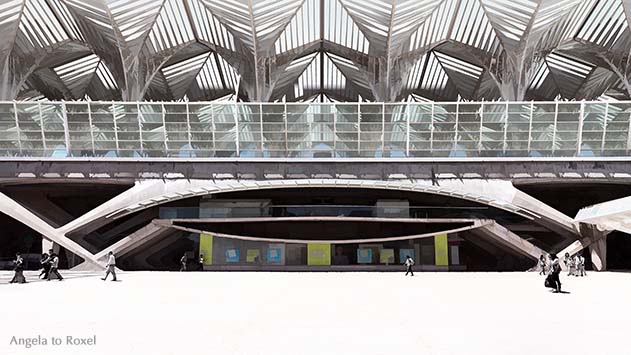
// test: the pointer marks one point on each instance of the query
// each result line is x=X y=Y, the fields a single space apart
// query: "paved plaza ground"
x=157 y=313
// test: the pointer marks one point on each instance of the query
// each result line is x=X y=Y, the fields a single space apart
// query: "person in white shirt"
x=201 y=262
x=110 y=266
x=183 y=261
x=408 y=264
x=54 y=263
x=581 y=264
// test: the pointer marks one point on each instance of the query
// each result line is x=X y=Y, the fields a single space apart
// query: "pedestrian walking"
x=45 y=262
x=553 y=280
x=581 y=265
x=18 y=277
x=183 y=262
x=54 y=264
x=408 y=264
x=110 y=266
x=201 y=262
x=542 y=264
x=569 y=264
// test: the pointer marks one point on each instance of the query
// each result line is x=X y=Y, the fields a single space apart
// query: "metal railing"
x=457 y=212
x=298 y=130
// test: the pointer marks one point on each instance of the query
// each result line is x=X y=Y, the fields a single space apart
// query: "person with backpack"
x=54 y=264
x=18 y=277
x=408 y=264
x=553 y=280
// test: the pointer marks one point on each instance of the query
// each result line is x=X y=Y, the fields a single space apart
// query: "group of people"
x=50 y=263
x=184 y=262
x=575 y=265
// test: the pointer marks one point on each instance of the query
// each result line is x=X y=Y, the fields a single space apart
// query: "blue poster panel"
x=273 y=255
x=232 y=255
x=364 y=256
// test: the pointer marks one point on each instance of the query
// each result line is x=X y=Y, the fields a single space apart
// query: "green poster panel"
x=319 y=254
x=440 y=247
x=206 y=248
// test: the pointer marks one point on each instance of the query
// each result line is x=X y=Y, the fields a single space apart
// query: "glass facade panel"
x=79 y=130
x=567 y=125
x=178 y=143
x=616 y=138
x=9 y=134
x=31 y=130
x=542 y=131
x=315 y=130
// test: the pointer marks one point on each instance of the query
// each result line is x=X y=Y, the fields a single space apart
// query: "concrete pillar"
x=48 y=244
x=598 y=252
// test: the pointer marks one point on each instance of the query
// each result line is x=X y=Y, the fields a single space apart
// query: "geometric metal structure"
x=323 y=50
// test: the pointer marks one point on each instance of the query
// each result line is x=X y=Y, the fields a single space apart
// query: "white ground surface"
x=158 y=313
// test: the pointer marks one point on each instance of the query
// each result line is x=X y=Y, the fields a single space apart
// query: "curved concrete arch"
x=475 y=224
x=152 y=193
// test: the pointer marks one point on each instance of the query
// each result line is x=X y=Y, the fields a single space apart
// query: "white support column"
x=17 y=127
x=115 y=129
x=605 y=124
x=431 y=130
x=41 y=126
x=188 y=130
x=261 y=128
x=236 y=126
x=532 y=108
x=164 y=132
x=554 y=128
x=286 y=129
x=598 y=252
x=140 y=117
x=455 y=142
x=579 y=139
x=628 y=136
x=359 y=143
x=504 y=143
x=64 y=116
x=482 y=126
x=91 y=128
x=407 y=130
x=383 y=128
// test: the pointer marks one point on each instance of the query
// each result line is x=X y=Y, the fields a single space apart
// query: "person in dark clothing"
x=542 y=264
x=54 y=263
x=183 y=262
x=45 y=262
x=408 y=264
x=19 y=270
x=555 y=270
x=201 y=262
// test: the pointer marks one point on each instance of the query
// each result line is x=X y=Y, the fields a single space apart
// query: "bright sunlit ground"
x=318 y=313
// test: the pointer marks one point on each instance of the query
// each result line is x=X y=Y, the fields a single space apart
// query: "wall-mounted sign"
x=232 y=255
x=364 y=256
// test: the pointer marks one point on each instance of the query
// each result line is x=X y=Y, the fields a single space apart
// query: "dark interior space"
x=618 y=251
x=60 y=203
x=570 y=196
x=17 y=237
x=316 y=230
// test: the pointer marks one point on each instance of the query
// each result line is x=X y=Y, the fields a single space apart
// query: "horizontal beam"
x=266 y=169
